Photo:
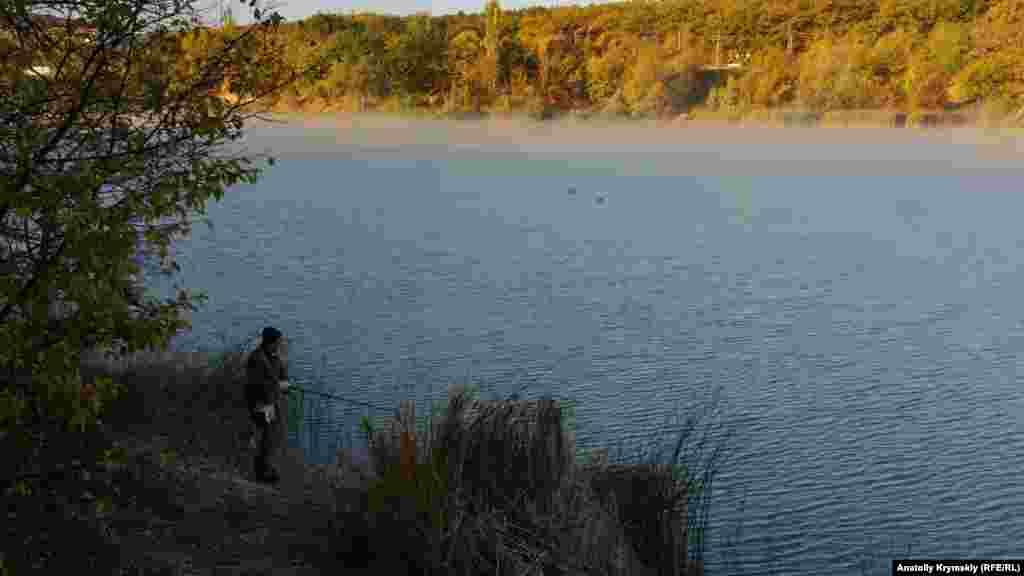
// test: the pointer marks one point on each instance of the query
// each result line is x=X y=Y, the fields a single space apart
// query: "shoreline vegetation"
x=899 y=63
x=491 y=487
x=478 y=487
x=977 y=117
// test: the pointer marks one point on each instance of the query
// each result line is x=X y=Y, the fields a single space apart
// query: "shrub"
x=948 y=46
x=837 y=73
x=682 y=89
x=982 y=79
x=886 y=64
x=726 y=97
x=926 y=84
x=771 y=80
x=638 y=88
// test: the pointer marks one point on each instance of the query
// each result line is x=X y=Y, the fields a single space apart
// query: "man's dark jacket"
x=264 y=373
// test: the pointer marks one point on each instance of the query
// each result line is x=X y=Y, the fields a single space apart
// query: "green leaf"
x=366 y=426
x=168 y=457
x=696 y=488
x=104 y=506
x=114 y=457
x=20 y=488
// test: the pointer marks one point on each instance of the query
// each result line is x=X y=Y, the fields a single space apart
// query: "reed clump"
x=494 y=487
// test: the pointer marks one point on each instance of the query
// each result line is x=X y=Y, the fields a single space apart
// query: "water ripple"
x=872 y=394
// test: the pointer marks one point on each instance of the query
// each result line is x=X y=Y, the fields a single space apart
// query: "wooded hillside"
x=651 y=58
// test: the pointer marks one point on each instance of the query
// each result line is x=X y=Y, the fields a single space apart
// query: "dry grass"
x=505 y=495
x=494 y=487
x=195 y=400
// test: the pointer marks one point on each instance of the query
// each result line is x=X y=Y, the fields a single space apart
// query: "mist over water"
x=855 y=294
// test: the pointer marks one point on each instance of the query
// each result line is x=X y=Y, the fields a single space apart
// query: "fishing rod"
x=335 y=397
x=359 y=402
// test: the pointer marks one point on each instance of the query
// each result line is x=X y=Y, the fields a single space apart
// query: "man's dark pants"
x=268 y=437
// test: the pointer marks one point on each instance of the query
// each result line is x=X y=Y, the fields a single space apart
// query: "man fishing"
x=267 y=378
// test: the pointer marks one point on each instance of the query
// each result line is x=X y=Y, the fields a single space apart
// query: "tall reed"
x=495 y=487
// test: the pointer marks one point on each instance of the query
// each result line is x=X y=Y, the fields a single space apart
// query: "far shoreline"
x=925 y=120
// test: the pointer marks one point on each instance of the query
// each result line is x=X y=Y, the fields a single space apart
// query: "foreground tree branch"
x=113 y=138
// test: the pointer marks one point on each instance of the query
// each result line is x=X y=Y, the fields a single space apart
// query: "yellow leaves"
x=948 y=46
x=21 y=488
x=1002 y=25
x=603 y=27
x=67 y=397
x=392 y=41
x=931 y=68
x=104 y=506
x=209 y=122
x=12 y=406
x=998 y=66
x=79 y=421
x=604 y=74
x=114 y=457
x=891 y=52
x=642 y=77
x=770 y=78
x=466 y=44
x=834 y=74
x=536 y=32
x=168 y=457
x=983 y=78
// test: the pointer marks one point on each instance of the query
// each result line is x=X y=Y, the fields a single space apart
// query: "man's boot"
x=271 y=476
x=261 y=469
x=264 y=472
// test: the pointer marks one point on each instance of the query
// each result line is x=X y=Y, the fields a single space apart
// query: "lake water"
x=856 y=296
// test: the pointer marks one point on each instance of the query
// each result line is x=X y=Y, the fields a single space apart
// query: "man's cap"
x=271 y=334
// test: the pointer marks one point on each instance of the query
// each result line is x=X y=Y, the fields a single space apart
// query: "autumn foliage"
x=652 y=58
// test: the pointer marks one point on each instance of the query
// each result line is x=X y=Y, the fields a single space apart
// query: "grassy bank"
x=483 y=487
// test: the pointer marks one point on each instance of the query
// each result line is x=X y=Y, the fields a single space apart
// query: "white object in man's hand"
x=268 y=412
x=285 y=385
